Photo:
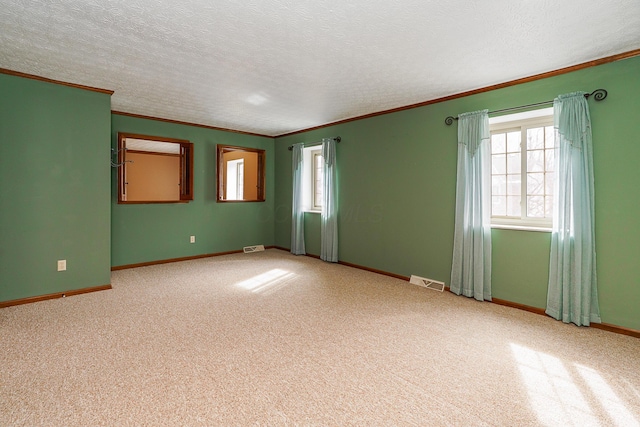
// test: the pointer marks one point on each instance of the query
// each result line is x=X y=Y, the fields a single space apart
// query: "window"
x=154 y=169
x=522 y=170
x=235 y=179
x=318 y=175
x=312 y=176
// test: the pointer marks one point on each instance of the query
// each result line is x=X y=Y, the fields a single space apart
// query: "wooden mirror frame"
x=183 y=178
x=260 y=173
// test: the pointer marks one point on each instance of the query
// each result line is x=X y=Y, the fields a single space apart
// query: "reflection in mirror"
x=154 y=169
x=240 y=174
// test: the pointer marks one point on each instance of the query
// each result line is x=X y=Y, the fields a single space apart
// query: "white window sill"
x=312 y=211
x=543 y=229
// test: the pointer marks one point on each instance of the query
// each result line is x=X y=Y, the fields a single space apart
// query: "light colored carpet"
x=272 y=339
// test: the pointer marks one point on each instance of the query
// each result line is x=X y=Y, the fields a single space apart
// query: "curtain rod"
x=598 y=95
x=335 y=138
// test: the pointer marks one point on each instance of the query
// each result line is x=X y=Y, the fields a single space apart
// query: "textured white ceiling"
x=277 y=66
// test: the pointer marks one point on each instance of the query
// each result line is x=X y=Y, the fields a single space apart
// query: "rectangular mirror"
x=241 y=174
x=154 y=169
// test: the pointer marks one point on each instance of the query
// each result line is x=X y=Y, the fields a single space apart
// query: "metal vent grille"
x=427 y=283
x=250 y=249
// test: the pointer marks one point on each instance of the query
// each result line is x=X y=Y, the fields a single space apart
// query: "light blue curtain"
x=471 y=267
x=572 y=295
x=329 y=224
x=297 y=212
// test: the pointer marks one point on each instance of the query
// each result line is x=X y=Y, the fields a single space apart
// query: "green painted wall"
x=150 y=232
x=54 y=188
x=397 y=192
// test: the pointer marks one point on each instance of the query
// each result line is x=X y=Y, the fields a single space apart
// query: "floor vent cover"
x=249 y=249
x=427 y=283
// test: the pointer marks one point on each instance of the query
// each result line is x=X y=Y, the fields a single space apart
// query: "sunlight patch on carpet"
x=620 y=415
x=267 y=282
x=554 y=396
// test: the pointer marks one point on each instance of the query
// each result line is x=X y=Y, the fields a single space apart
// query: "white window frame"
x=522 y=122
x=235 y=179
x=316 y=204
x=309 y=204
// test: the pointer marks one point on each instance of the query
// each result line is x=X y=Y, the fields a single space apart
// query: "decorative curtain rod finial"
x=598 y=94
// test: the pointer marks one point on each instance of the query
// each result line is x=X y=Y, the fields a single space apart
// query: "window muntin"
x=522 y=172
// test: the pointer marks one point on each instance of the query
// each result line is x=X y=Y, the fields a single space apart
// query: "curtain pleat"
x=471 y=266
x=572 y=293
x=329 y=220
x=297 y=212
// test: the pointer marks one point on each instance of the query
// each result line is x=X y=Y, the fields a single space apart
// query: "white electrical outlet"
x=62 y=265
x=192 y=239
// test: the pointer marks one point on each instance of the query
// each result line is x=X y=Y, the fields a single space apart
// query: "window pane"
x=535 y=184
x=498 y=143
x=499 y=185
x=498 y=164
x=548 y=183
x=498 y=205
x=513 y=206
x=535 y=206
x=513 y=163
x=535 y=161
x=514 y=185
x=549 y=158
x=535 y=138
x=549 y=137
x=513 y=142
x=548 y=207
